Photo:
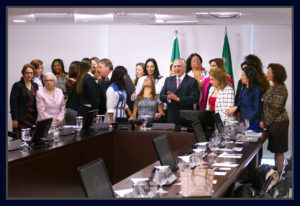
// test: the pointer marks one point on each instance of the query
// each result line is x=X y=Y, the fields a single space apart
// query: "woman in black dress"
x=22 y=100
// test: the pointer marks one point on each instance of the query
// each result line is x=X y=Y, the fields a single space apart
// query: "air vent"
x=123 y=17
x=54 y=17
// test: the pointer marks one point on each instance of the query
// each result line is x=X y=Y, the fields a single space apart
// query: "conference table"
x=51 y=172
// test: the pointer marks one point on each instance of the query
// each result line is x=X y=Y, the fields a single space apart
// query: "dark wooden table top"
x=223 y=182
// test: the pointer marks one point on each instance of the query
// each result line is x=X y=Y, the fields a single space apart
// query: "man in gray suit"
x=105 y=68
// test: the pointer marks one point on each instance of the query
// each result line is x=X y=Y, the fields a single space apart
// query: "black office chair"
x=198 y=132
x=164 y=152
x=95 y=180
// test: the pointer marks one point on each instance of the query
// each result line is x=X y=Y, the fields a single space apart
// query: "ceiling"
x=150 y=15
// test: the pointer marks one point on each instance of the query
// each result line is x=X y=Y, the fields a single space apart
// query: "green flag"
x=227 y=56
x=175 y=51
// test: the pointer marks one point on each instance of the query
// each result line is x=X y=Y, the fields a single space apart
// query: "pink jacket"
x=48 y=106
x=206 y=83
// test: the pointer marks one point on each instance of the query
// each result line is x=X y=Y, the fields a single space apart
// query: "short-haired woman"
x=50 y=100
x=220 y=95
x=275 y=117
x=147 y=103
x=23 y=100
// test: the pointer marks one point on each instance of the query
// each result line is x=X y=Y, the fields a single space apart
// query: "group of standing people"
x=94 y=84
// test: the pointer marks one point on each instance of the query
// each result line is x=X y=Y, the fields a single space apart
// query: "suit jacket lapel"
x=48 y=95
x=173 y=84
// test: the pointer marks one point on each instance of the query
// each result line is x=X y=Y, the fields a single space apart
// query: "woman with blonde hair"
x=38 y=72
x=214 y=63
x=220 y=95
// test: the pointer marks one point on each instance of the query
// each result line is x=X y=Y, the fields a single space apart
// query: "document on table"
x=124 y=192
x=225 y=164
x=238 y=149
x=226 y=155
x=224 y=149
x=220 y=173
x=185 y=158
x=162 y=167
x=224 y=168
x=136 y=180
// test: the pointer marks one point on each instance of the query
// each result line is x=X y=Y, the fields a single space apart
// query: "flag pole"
x=176 y=33
x=225 y=30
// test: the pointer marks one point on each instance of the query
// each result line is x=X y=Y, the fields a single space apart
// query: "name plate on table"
x=124 y=126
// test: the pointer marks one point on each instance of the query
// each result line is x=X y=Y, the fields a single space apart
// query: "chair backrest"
x=164 y=152
x=163 y=126
x=219 y=123
x=95 y=180
x=198 y=132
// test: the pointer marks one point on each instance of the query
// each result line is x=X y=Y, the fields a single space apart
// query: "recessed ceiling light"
x=225 y=14
x=51 y=14
x=179 y=22
x=159 y=21
x=19 y=21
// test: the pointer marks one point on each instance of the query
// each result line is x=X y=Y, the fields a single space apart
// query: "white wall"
x=128 y=44
x=131 y=44
x=68 y=42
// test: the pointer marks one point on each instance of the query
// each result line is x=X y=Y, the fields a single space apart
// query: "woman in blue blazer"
x=250 y=100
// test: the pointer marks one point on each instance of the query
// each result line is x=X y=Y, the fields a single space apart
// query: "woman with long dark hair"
x=250 y=100
x=151 y=71
x=72 y=103
x=62 y=77
x=262 y=78
x=116 y=95
x=86 y=88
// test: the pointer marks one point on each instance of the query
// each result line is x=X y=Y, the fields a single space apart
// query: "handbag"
x=197 y=182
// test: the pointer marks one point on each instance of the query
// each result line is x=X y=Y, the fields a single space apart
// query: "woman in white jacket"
x=220 y=95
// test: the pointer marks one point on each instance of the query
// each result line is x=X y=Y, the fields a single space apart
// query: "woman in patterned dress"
x=147 y=103
x=275 y=117
x=58 y=69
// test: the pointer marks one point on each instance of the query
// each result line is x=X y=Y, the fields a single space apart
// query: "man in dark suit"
x=105 y=68
x=180 y=92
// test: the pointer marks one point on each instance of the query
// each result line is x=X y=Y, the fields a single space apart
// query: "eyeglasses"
x=28 y=73
x=49 y=80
